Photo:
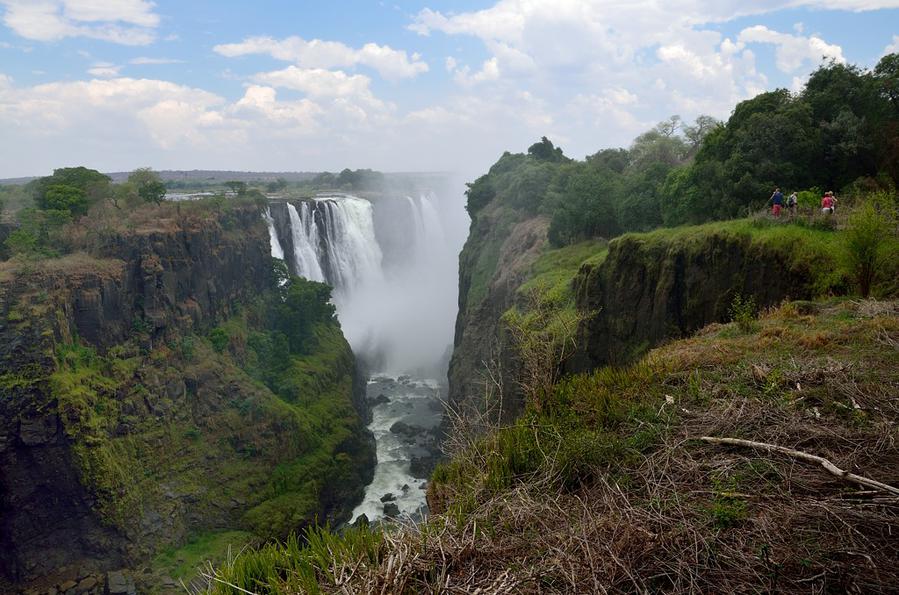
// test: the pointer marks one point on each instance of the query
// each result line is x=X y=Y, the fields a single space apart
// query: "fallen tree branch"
x=830 y=467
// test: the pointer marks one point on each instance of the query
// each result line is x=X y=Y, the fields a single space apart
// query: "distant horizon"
x=165 y=174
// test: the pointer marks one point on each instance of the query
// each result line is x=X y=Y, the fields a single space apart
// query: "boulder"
x=86 y=584
x=118 y=582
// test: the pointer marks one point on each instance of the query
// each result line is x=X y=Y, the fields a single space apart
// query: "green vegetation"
x=840 y=132
x=555 y=270
x=870 y=241
x=296 y=566
x=262 y=403
x=290 y=341
x=216 y=547
x=743 y=312
x=347 y=180
x=78 y=208
x=148 y=185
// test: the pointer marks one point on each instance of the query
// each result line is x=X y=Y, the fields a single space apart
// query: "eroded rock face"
x=177 y=278
x=487 y=288
x=646 y=292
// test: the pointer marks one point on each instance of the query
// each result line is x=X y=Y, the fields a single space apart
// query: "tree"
x=276 y=186
x=546 y=151
x=615 y=160
x=237 y=187
x=62 y=197
x=77 y=187
x=886 y=73
x=479 y=193
x=699 y=130
x=659 y=145
x=305 y=304
x=148 y=184
x=39 y=231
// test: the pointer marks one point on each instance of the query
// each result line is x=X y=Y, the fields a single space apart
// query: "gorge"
x=147 y=403
x=391 y=262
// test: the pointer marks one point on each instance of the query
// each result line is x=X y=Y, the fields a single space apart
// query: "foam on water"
x=412 y=401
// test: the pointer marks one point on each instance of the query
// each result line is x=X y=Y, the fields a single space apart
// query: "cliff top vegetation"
x=79 y=210
x=839 y=133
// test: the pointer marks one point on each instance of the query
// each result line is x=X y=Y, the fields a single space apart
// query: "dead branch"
x=829 y=466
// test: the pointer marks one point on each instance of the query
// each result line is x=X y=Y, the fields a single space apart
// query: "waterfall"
x=392 y=264
x=277 y=250
x=392 y=267
x=429 y=237
x=352 y=253
x=305 y=243
x=333 y=240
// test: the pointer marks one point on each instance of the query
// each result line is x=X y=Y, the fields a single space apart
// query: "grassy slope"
x=605 y=481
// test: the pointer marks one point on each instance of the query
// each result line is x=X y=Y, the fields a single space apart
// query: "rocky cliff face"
x=495 y=261
x=121 y=431
x=649 y=289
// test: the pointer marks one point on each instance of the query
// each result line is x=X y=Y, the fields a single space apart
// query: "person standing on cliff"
x=792 y=201
x=777 y=201
x=827 y=203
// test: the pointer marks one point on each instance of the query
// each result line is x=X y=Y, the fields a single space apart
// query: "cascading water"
x=396 y=308
x=352 y=252
x=305 y=243
x=277 y=250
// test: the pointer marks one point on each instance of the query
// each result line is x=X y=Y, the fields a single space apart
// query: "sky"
x=396 y=86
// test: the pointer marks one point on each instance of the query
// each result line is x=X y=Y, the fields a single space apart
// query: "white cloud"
x=664 y=58
x=793 y=51
x=389 y=63
x=893 y=47
x=145 y=60
x=121 y=123
x=127 y=22
x=316 y=82
x=489 y=71
x=587 y=73
x=104 y=70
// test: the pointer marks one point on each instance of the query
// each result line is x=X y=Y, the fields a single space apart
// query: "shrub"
x=743 y=312
x=219 y=339
x=868 y=244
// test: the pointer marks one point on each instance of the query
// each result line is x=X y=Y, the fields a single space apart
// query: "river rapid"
x=406 y=417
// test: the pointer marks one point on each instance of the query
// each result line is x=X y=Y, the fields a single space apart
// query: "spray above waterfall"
x=392 y=263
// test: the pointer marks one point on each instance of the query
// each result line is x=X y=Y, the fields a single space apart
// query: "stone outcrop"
x=496 y=260
x=650 y=289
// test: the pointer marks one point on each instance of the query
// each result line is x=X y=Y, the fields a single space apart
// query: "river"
x=406 y=417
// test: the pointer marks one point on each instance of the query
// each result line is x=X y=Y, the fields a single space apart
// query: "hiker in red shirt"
x=828 y=202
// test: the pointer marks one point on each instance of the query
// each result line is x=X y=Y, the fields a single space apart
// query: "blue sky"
x=434 y=85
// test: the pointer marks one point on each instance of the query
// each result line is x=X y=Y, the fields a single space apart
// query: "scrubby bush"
x=743 y=312
x=868 y=246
